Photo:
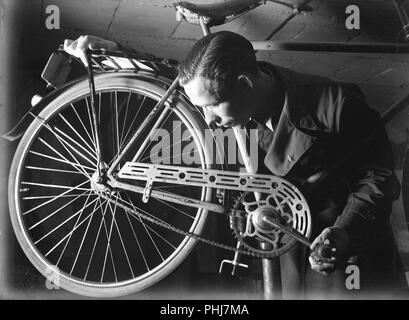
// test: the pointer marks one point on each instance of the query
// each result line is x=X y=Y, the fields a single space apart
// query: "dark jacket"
x=327 y=129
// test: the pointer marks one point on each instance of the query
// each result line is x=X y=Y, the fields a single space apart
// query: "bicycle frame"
x=107 y=174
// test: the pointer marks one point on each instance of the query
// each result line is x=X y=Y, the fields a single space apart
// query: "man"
x=307 y=126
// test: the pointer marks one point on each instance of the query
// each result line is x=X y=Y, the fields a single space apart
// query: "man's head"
x=218 y=75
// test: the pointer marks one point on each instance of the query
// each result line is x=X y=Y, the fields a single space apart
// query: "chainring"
x=287 y=205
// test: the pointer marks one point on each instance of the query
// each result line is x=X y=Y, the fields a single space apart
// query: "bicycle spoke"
x=125 y=117
x=65 y=144
x=96 y=239
x=173 y=207
x=76 y=143
x=75 y=150
x=148 y=227
x=59 y=209
x=106 y=251
x=92 y=140
x=69 y=238
x=134 y=234
x=109 y=242
x=138 y=218
x=148 y=233
x=51 y=169
x=53 y=199
x=82 y=240
x=122 y=242
x=52 y=185
x=130 y=204
x=59 y=154
x=91 y=123
x=133 y=121
x=75 y=165
x=60 y=225
x=76 y=133
x=72 y=231
x=49 y=197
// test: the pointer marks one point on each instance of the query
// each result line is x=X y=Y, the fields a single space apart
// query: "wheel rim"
x=83 y=167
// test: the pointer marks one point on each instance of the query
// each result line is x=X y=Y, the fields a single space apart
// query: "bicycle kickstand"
x=235 y=261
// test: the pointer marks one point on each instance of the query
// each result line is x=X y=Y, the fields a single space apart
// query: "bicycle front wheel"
x=72 y=235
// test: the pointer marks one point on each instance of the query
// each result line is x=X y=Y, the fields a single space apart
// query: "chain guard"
x=281 y=198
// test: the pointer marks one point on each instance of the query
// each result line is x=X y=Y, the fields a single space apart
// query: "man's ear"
x=244 y=81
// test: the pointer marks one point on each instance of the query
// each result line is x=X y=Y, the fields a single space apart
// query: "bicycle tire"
x=104 y=83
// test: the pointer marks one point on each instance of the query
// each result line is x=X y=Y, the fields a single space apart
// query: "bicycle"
x=111 y=192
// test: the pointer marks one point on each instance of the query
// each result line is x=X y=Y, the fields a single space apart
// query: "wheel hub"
x=98 y=184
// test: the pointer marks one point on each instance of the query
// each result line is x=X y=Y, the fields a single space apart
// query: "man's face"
x=232 y=110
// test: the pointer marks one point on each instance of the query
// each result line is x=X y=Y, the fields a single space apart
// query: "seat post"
x=204 y=26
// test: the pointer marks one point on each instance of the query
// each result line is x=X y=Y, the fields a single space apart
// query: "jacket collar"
x=290 y=141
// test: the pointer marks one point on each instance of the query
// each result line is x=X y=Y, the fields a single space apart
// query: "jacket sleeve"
x=369 y=167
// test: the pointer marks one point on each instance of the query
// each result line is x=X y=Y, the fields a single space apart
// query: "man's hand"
x=338 y=240
x=78 y=47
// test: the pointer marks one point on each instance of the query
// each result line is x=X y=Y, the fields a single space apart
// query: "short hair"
x=219 y=57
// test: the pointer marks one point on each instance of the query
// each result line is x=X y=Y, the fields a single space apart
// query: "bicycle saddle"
x=215 y=13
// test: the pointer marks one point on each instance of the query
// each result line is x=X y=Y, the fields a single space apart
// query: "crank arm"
x=287 y=231
x=323 y=251
x=167 y=196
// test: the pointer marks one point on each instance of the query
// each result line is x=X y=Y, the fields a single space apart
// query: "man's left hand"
x=338 y=240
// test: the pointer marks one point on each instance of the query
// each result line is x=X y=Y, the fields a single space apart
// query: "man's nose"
x=211 y=118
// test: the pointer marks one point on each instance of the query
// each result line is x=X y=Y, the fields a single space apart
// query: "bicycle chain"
x=186 y=233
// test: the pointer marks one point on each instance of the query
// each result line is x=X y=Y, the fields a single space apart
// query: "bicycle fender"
x=18 y=130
